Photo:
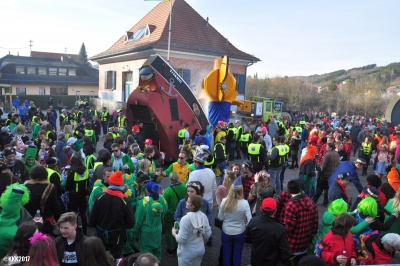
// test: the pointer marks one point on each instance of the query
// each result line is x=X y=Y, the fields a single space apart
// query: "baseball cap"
x=148 y=142
x=268 y=204
x=372 y=192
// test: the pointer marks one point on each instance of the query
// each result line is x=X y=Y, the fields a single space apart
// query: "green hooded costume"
x=30 y=152
x=11 y=201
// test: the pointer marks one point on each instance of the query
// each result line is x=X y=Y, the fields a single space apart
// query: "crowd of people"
x=59 y=182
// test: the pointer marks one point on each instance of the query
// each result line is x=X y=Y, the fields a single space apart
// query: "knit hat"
x=268 y=204
x=249 y=165
x=237 y=184
x=293 y=187
x=78 y=145
x=374 y=181
x=152 y=187
x=372 y=192
x=263 y=129
x=116 y=179
x=9 y=151
x=52 y=162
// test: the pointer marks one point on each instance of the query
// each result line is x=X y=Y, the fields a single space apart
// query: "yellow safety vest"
x=254 y=151
x=78 y=178
x=50 y=172
x=238 y=129
x=367 y=149
x=223 y=148
x=121 y=122
x=104 y=116
x=181 y=135
x=279 y=160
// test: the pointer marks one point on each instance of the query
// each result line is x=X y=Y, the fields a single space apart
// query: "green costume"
x=126 y=160
x=395 y=228
x=173 y=194
x=30 y=152
x=11 y=202
x=148 y=228
x=98 y=188
x=336 y=208
x=35 y=130
x=129 y=247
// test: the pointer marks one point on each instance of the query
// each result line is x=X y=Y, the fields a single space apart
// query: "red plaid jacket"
x=283 y=199
x=247 y=182
x=301 y=222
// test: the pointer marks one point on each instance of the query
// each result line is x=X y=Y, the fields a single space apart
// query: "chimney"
x=62 y=58
x=207 y=22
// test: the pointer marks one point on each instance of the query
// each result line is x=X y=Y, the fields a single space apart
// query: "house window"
x=58 y=91
x=31 y=70
x=144 y=31
x=42 y=71
x=20 y=69
x=42 y=91
x=109 y=80
x=72 y=72
x=62 y=71
x=21 y=91
x=52 y=71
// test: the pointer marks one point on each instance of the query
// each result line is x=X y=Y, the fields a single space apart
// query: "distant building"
x=194 y=46
x=47 y=74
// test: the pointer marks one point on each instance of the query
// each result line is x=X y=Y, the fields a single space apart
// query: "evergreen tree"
x=83 y=58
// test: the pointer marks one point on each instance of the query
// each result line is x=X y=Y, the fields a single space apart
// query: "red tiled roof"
x=74 y=57
x=190 y=33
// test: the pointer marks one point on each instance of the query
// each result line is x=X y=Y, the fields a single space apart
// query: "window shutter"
x=105 y=80
x=186 y=76
x=242 y=84
x=113 y=79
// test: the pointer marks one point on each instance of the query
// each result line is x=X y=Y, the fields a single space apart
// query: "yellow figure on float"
x=219 y=84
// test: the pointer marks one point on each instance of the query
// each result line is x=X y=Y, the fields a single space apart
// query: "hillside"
x=386 y=76
x=362 y=90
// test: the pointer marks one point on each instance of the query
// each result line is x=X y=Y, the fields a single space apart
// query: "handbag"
x=218 y=223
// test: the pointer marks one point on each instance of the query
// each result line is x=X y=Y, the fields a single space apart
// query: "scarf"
x=116 y=193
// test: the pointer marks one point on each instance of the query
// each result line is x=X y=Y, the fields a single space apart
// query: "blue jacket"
x=181 y=210
x=304 y=134
x=336 y=192
x=347 y=167
x=16 y=102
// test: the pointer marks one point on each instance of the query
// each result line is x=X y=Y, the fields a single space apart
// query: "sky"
x=291 y=38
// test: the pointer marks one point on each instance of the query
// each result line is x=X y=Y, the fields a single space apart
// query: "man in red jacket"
x=301 y=221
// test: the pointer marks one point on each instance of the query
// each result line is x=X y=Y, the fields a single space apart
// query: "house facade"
x=194 y=45
x=44 y=75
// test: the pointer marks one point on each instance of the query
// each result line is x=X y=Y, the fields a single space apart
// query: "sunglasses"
x=115 y=150
x=181 y=158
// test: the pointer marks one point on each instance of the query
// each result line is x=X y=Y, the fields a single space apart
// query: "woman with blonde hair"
x=67 y=131
x=21 y=134
x=235 y=214
x=381 y=161
x=393 y=206
x=223 y=189
x=260 y=190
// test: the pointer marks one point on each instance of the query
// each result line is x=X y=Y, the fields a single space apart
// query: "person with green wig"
x=368 y=207
x=336 y=208
x=11 y=201
x=30 y=155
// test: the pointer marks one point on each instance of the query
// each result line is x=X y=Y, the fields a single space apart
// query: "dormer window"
x=137 y=35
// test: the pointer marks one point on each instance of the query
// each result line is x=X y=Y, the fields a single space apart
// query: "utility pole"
x=65 y=50
x=30 y=46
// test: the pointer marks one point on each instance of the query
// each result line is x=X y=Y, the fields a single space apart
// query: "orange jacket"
x=393 y=178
